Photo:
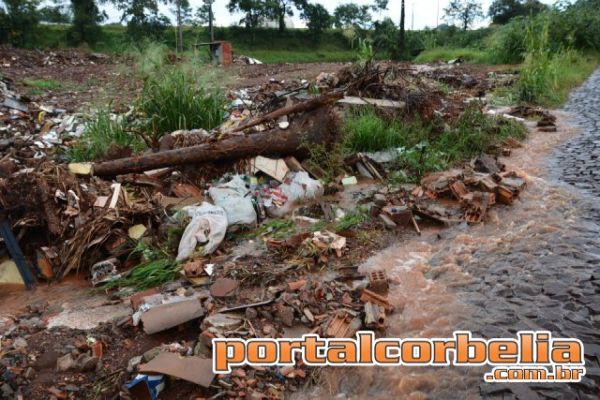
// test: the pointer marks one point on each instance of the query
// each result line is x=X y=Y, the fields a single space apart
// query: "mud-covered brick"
x=504 y=195
x=475 y=214
x=459 y=190
x=515 y=184
x=378 y=282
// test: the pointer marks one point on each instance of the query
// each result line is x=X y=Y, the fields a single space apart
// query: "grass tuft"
x=102 y=134
x=173 y=100
x=157 y=268
x=43 y=84
x=367 y=131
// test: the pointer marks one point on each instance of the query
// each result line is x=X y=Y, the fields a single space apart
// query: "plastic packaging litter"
x=208 y=227
x=236 y=200
x=297 y=187
x=146 y=386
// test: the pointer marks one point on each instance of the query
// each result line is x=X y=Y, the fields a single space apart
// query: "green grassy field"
x=268 y=45
x=445 y=54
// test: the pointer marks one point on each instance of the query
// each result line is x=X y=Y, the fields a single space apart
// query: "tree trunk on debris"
x=319 y=126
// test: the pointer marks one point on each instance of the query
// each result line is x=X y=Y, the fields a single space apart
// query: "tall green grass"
x=173 y=100
x=103 y=133
x=538 y=76
x=548 y=76
x=367 y=131
x=425 y=147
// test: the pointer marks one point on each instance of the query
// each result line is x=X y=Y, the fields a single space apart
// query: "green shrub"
x=538 y=76
x=507 y=44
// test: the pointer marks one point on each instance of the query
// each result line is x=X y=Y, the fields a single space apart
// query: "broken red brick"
x=343 y=325
x=372 y=297
x=459 y=190
x=504 y=195
x=97 y=350
x=295 y=286
x=223 y=287
x=184 y=190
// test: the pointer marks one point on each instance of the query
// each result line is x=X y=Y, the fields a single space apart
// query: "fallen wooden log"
x=318 y=126
x=303 y=107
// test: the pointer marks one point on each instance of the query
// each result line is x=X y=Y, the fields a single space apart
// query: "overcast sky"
x=425 y=11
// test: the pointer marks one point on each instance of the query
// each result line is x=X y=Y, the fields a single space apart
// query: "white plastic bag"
x=235 y=198
x=297 y=187
x=208 y=227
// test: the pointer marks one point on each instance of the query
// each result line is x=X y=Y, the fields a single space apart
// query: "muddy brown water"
x=532 y=266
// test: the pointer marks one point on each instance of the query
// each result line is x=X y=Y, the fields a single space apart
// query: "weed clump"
x=157 y=267
x=367 y=131
x=173 y=101
x=103 y=134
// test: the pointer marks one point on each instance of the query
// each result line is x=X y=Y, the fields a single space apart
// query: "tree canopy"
x=318 y=18
x=464 y=12
x=352 y=15
x=502 y=11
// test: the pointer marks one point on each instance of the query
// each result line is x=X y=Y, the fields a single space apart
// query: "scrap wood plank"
x=361 y=101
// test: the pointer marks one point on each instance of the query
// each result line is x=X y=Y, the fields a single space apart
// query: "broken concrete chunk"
x=388 y=222
x=486 y=164
x=165 y=316
x=224 y=322
x=378 y=282
x=65 y=363
x=374 y=316
x=192 y=369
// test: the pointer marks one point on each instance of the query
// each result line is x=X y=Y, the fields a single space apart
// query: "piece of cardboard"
x=277 y=169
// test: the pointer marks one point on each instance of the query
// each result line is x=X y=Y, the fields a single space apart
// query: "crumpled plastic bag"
x=208 y=227
x=234 y=197
x=297 y=187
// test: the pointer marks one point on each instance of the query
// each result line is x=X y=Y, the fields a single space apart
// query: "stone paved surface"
x=579 y=157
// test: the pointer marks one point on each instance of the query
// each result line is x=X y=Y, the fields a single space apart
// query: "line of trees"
x=20 y=19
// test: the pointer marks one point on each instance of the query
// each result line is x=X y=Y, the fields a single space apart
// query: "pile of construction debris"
x=106 y=220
